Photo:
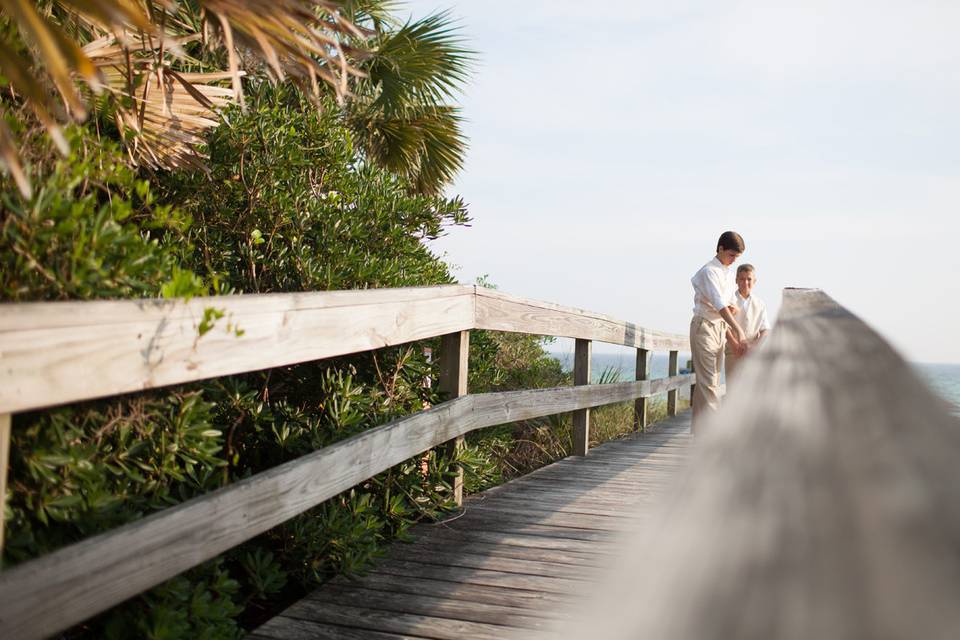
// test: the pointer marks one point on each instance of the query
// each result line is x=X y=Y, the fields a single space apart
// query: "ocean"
x=943 y=379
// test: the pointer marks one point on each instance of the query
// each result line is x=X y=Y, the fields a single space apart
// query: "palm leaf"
x=301 y=39
x=425 y=144
x=421 y=63
x=165 y=113
x=398 y=113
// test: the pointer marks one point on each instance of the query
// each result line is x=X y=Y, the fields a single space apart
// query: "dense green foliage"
x=289 y=206
x=91 y=229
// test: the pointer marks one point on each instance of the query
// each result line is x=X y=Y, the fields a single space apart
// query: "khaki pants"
x=730 y=363
x=707 y=339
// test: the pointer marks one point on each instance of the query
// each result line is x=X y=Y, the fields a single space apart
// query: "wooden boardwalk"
x=511 y=565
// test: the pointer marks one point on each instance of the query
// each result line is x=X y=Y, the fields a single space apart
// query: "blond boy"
x=752 y=316
x=714 y=310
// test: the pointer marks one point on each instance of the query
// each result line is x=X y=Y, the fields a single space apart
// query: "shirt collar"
x=716 y=262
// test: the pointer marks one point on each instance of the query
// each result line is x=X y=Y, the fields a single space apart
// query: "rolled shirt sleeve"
x=714 y=291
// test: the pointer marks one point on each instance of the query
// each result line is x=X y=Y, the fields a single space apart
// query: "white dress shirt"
x=713 y=289
x=752 y=316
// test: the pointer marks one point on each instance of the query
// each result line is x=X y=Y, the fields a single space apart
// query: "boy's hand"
x=741 y=337
x=732 y=308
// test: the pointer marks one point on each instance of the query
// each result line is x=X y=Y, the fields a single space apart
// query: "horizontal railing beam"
x=49 y=594
x=47 y=349
x=503 y=312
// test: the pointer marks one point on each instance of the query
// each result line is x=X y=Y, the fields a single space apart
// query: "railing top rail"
x=48 y=349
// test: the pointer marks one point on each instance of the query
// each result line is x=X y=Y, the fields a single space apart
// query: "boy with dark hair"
x=752 y=316
x=714 y=308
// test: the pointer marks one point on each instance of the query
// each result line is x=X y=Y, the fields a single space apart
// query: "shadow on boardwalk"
x=511 y=564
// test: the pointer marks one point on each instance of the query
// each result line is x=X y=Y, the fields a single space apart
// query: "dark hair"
x=731 y=240
x=745 y=267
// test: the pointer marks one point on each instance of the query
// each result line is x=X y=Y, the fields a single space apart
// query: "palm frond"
x=399 y=112
x=301 y=39
x=425 y=144
x=376 y=15
x=423 y=62
x=162 y=112
x=309 y=41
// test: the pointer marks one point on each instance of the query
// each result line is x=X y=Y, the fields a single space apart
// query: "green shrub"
x=93 y=228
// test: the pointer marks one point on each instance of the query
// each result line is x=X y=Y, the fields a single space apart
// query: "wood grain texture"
x=454 y=370
x=48 y=349
x=502 y=312
x=582 y=352
x=673 y=394
x=822 y=501
x=641 y=372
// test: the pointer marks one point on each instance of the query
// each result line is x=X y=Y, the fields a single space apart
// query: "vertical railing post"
x=454 y=360
x=581 y=417
x=5 y=420
x=672 y=395
x=640 y=404
x=693 y=387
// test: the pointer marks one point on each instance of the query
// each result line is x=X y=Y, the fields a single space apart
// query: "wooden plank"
x=5 y=420
x=548 y=489
x=419 y=604
x=673 y=393
x=48 y=349
x=510 y=406
x=479 y=576
x=473 y=559
x=543 y=531
x=142 y=344
x=539 y=540
x=454 y=367
x=552 y=505
x=579 y=521
x=415 y=625
x=452 y=544
x=581 y=417
x=498 y=311
x=284 y=628
x=534 y=603
x=823 y=501
x=642 y=372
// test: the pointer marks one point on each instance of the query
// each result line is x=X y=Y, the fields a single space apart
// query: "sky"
x=612 y=142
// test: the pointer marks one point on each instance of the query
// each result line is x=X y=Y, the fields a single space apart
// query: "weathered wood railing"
x=55 y=353
x=822 y=501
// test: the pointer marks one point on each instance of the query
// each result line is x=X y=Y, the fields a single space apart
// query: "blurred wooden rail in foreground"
x=55 y=353
x=822 y=502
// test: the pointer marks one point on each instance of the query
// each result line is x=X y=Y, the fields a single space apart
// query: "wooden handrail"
x=47 y=351
x=821 y=501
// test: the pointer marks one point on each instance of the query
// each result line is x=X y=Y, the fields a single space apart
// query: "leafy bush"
x=93 y=228
x=290 y=207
